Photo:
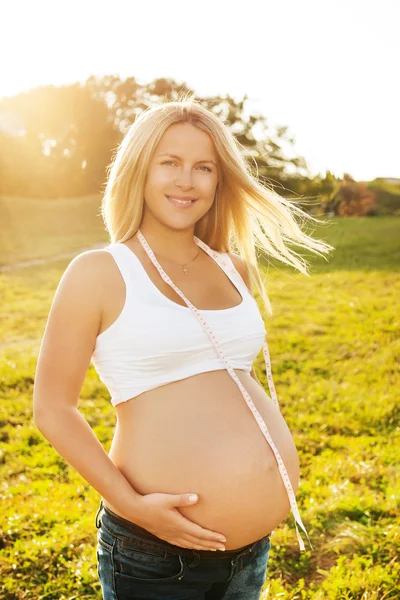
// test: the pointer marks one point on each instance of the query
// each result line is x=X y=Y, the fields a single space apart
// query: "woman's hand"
x=159 y=515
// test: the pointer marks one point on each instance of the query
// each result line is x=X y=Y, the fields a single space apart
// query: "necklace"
x=184 y=269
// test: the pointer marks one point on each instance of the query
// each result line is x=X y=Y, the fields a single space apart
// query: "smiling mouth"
x=179 y=202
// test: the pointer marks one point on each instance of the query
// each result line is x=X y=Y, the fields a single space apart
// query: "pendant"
x=185 y=270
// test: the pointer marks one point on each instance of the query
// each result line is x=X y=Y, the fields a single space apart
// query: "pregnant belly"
x=198 y=435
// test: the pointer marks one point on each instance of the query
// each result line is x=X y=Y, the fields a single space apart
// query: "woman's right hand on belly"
x=160 y=516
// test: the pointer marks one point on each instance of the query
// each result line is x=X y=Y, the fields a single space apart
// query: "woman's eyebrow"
x=176 y=156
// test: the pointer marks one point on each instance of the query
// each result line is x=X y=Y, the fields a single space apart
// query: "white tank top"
x=155 y=341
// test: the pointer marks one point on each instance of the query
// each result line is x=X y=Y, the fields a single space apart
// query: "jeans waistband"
x=146 y=536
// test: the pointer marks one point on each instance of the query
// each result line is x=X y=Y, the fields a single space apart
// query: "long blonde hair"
x=245 y=214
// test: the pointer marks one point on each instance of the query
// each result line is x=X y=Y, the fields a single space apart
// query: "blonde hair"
x=245 y=214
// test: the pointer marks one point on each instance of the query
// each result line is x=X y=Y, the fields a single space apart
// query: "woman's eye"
x=170 y=162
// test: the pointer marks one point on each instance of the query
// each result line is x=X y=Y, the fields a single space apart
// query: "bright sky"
x=329 y=70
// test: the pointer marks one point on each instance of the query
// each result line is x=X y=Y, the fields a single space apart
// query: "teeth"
x=180 y=201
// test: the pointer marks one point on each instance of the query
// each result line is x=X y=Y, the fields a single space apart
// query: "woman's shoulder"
x=241 y=266
x=95 y=269
x=91 y=261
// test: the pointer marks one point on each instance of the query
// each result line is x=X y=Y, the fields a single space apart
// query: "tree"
x=70 y=133
x=66 y=144
x=353 y=198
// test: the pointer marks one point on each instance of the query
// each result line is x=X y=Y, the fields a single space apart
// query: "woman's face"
x=184 y=165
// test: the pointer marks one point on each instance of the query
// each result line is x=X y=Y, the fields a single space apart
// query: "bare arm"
x=254 y=376
x=64 y=357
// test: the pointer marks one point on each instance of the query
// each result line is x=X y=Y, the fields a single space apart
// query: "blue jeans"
x=134 y=564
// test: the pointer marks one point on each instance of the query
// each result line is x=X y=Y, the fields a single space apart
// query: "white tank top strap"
x=225 y=265
x=125 y=267
x=230 y=269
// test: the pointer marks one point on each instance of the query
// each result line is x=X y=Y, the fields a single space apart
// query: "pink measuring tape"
x=246 y=396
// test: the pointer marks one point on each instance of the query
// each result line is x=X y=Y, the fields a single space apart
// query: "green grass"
x=38 y=228
x=335 y=347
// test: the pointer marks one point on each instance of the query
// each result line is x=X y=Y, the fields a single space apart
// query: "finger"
x=201 y=545
x=193 y=545
x=203 y=535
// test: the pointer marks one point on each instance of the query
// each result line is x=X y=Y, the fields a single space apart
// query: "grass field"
x=335 y=345
x=39 y=228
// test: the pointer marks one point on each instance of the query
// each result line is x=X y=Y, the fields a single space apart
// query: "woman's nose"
x=184 y=178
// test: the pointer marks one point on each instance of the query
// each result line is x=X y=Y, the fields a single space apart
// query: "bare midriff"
x=198 y=435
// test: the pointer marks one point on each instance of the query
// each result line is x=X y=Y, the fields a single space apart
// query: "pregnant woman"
x=202 y=465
